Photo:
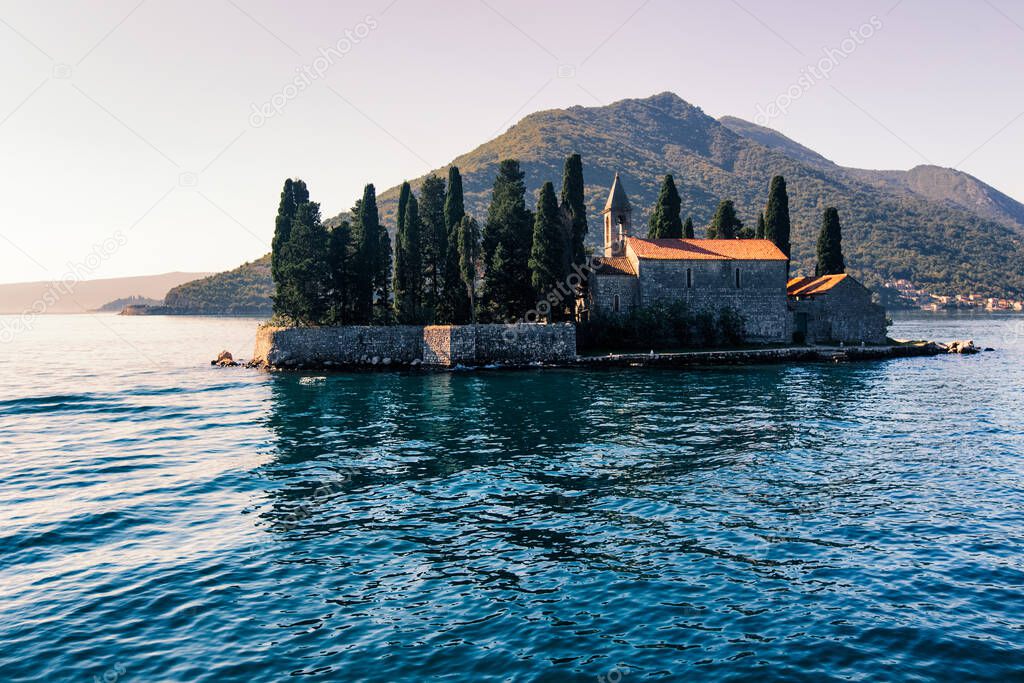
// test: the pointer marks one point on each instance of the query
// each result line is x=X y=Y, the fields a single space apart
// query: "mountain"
x=930 y=182
x=943 y=230
x=246 y=290
x=86 y=295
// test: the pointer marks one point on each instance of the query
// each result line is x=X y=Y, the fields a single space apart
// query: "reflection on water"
x=775 y=522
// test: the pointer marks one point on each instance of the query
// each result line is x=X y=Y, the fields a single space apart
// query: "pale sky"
x=130 y=144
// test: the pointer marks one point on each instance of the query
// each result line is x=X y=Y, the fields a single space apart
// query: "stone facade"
x=754 y=289
x=432 y=345
x=840 y=309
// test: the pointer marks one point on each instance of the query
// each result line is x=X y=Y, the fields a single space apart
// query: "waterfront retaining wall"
x=431 y=345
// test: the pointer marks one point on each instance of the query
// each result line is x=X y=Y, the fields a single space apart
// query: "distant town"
x=905 y=295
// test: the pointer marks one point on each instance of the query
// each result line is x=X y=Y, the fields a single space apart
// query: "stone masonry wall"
x=760 y=298
x=604 y=288
x=433 y=345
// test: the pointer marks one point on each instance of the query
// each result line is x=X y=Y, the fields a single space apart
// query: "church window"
x=737 y=278
x=689 y=278
x=615 y=303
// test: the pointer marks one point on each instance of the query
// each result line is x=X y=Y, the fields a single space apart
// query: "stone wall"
x=605 y=287
x=433 y=345
x=711 y=286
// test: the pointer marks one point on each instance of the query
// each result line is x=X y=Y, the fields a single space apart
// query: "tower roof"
x=617 y=198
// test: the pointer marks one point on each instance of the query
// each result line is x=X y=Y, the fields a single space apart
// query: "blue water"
x=164 y=520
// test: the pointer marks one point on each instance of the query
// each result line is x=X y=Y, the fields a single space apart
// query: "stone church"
x=749 y=275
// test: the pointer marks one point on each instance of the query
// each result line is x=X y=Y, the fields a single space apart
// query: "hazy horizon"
x=145 y=137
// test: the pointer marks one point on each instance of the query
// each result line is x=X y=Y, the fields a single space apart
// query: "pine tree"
x=725 y=225
x=548 y=250
x=665 y=221
x=760 y=232
x=340 y=259
x=408 y=280
x=469 y=257
x=688 y=228
x=366 y=262
x=507 y=238
x=776 y=215
x=434 y=241
x=304 y=294
x=830 y=245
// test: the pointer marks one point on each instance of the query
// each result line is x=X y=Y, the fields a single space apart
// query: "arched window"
x=689 y=278
x=615 y=303
x=737 y=278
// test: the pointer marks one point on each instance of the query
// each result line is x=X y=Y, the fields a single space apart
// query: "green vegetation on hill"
x=245 y=290
x=895 y=224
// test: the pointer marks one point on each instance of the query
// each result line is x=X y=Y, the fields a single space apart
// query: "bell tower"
x=618 y=220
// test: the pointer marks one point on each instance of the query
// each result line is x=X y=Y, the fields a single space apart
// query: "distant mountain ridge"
x=930 y=182
x=942 y=229
x=86 y=295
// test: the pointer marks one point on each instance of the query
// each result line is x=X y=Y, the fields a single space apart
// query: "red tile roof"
x=808 y=286
x=616 y=265
x=705 y=250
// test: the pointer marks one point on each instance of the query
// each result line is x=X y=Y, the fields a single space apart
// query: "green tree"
x=434 y=241
x=830 y=245
x=574 y=203
x=665 y=221
x=776 y=215
x=507 y=238
x=454 y=202
x=725 y=225
x=382 y=276
x=547 y=255
x=340 y=260
x=304 y=293
x=293 y=194
x=469 y=259
x=760 y=232
x=408 y=279
x=366 y=264
x=453 y=306
x=688 y=228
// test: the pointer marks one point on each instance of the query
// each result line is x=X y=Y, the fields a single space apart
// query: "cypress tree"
x=760 y=232
x=382 y=278
x=725 y=225
x=830 y=245
x=340 y=259
x=454 y=203
x=776 y=215
x=282 y=228
x=403 y=201
x=469 y=256
x=688 y=228
x=574 y=204
x=453 y=306
x=665 y=221
x=434 y=241
x=548 y=250
x=507 y=238
x=367 y=263
x=408 y=279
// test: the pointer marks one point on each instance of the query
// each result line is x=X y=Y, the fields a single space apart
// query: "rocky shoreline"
x=681 y=359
